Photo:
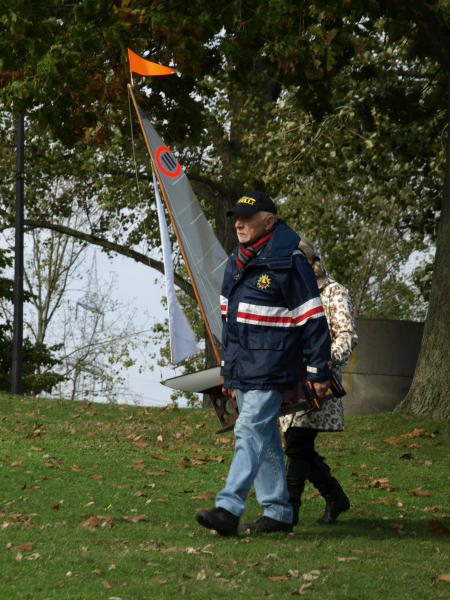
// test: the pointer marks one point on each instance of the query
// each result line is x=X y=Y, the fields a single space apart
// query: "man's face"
x=250 y=229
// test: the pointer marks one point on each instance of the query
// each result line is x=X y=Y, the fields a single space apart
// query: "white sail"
x=204 y=255
x=183 y=343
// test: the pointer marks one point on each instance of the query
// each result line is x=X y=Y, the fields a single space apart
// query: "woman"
x=303 y=462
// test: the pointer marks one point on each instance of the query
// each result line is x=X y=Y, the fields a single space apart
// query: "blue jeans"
x=258 y=457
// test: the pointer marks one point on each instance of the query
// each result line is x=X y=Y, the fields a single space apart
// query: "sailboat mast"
x=183 y=252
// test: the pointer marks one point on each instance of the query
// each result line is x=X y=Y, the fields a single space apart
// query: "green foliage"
x=67 y=60
x=100 y=502
x=363 y=182
x=38 y=359
x=337 y=107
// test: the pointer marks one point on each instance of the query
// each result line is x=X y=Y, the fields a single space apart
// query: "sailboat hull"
x=209 y=381
x=199 y=382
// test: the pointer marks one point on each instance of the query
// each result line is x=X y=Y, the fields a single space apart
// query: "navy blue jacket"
x=273 y=318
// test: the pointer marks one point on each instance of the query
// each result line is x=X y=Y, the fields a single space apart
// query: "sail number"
x=167 y=162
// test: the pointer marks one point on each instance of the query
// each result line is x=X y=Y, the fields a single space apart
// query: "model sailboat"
x=205 y=261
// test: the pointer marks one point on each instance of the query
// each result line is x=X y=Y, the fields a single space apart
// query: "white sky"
x=135 y=286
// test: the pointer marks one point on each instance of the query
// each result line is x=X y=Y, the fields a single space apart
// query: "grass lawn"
x=98 y=502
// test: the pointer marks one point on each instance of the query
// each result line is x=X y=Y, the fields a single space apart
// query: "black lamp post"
x=17 y=353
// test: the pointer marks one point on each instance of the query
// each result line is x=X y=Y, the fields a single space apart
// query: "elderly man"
x=272 y=316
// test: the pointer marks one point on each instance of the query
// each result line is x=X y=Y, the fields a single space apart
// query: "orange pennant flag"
x=141 y=66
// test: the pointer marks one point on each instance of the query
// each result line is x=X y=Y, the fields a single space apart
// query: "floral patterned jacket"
x=338 y=309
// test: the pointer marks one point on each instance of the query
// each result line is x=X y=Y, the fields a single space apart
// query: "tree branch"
x=436 y=36
x=106 y=244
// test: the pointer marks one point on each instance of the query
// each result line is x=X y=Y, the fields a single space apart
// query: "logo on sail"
x=167 y=162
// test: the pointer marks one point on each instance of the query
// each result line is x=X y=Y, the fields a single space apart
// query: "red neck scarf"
x=247 y=253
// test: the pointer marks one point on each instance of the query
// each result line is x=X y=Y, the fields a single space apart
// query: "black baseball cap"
x=251 y=203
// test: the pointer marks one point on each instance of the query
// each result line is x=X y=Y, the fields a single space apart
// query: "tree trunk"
x=429 y=394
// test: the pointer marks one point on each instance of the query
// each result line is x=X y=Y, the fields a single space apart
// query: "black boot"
x=297 y=472
x=329 y=487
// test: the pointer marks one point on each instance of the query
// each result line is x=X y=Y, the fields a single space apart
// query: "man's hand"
x=323 y=388
x=228 y=392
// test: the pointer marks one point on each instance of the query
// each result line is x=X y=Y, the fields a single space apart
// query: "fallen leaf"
x=137 y=464
x=433 y=507
x=201 y=575
x=182 y=590
x=205 y=496
x=382 y=483
x=417 y=432
x=279 y=577
x=438 y=528
x=444 y=577
x=184 y=462
x=141 y=443
x=302 y=590
x=198 y=460
x=135 y=518
x=225 y=440
x=96 y=476
x=392 y=440
x=346 y=558
x=25 y=547
x=420 y=492
x=93 y=521
x=219 y=459
x=107 y=522
x=34 y=556
x=385 y=500
x=314 y=574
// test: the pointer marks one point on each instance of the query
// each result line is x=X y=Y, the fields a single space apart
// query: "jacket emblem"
x=264 y=282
